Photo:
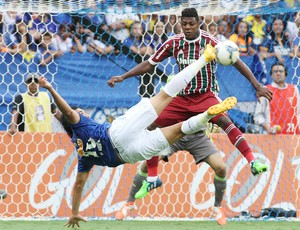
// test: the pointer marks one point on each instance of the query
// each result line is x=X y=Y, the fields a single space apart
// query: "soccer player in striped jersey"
x=127 y=139
x=200 y=93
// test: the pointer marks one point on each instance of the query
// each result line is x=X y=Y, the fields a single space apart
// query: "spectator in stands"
x=257 y=27
x=62 y=41
x=23 y=38
x=21 y=41
x=242 y=38
x=177 y=28
x=81 y=39
x=148 y=22
x=46 y=52
x=119 y=19
x=135 y=40
x=170 y=23
x=41 y=24
x=221 y=31
x=3 y=48
x=99 y=47
x=158 y=37
x=208 y=20
x=3 y=194
x=212 y=29
x=231 y=21
x=282 y=114
x=296 y=46
x=96 y=19
x=31 y=111
x=10 y=19
x=278 y=44
x=293 y=28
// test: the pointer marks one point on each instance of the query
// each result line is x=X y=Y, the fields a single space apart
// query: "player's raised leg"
x=190 y=126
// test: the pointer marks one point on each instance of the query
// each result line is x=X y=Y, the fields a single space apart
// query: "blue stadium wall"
x=81 y=80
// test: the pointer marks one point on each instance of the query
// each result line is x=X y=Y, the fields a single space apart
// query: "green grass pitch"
x=150 y=225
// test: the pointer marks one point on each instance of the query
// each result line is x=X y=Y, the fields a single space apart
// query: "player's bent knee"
x=220 y=170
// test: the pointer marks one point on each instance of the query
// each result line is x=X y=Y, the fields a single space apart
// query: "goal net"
x=78 y=46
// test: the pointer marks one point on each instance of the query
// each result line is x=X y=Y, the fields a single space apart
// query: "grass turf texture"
x=150 y=225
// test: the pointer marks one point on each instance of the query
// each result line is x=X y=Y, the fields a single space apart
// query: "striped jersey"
x=186 y=52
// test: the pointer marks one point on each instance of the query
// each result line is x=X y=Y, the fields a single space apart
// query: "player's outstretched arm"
x=71 y=115
x=261 y=91
x=140 y=69
x=76 y=198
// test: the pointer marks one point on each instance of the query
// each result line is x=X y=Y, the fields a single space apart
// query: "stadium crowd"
x=41 y=38
x=40 y=35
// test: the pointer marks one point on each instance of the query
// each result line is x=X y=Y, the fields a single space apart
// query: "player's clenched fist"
x=111 y=82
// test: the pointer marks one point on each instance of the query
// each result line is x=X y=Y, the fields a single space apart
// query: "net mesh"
x=213 y=7
x=78 y=46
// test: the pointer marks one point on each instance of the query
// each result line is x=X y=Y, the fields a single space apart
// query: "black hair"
x=212 y=24
x=19 y=36
x=66 y=125
x=190 y=13
x=284 y=36
x=281 y=64
x=30 y=80
x=247 y=36
x=46 y=34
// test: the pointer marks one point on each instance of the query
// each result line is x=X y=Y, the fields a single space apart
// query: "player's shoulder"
x=176 y=37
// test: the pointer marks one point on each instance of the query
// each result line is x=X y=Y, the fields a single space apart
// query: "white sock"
x=152 y=178
x=183 y=78
x=195 y=123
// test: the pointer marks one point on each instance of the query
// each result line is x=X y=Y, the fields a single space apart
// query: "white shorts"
x=130 y=136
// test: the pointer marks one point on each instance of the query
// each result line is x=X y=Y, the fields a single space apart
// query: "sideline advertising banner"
x=39 y=170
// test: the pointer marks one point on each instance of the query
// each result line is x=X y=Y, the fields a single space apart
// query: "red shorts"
x=182 y=108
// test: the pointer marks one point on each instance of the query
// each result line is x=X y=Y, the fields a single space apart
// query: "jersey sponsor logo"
x=187 y=61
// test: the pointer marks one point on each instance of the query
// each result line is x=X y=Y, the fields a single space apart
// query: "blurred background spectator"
x=158 y=37
x=119 y=20
x=81 y=39
x=136 y=42
x=98 y=46
x=148 y=22
x=40 y=24
x=62 y=40
x=243 y=39
x=296 y=46
x=46 y=52
x=293 y=27
x=213 y=30
x=257 y=28
x=277 y=44
x=171 y=22
x=221 y=30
